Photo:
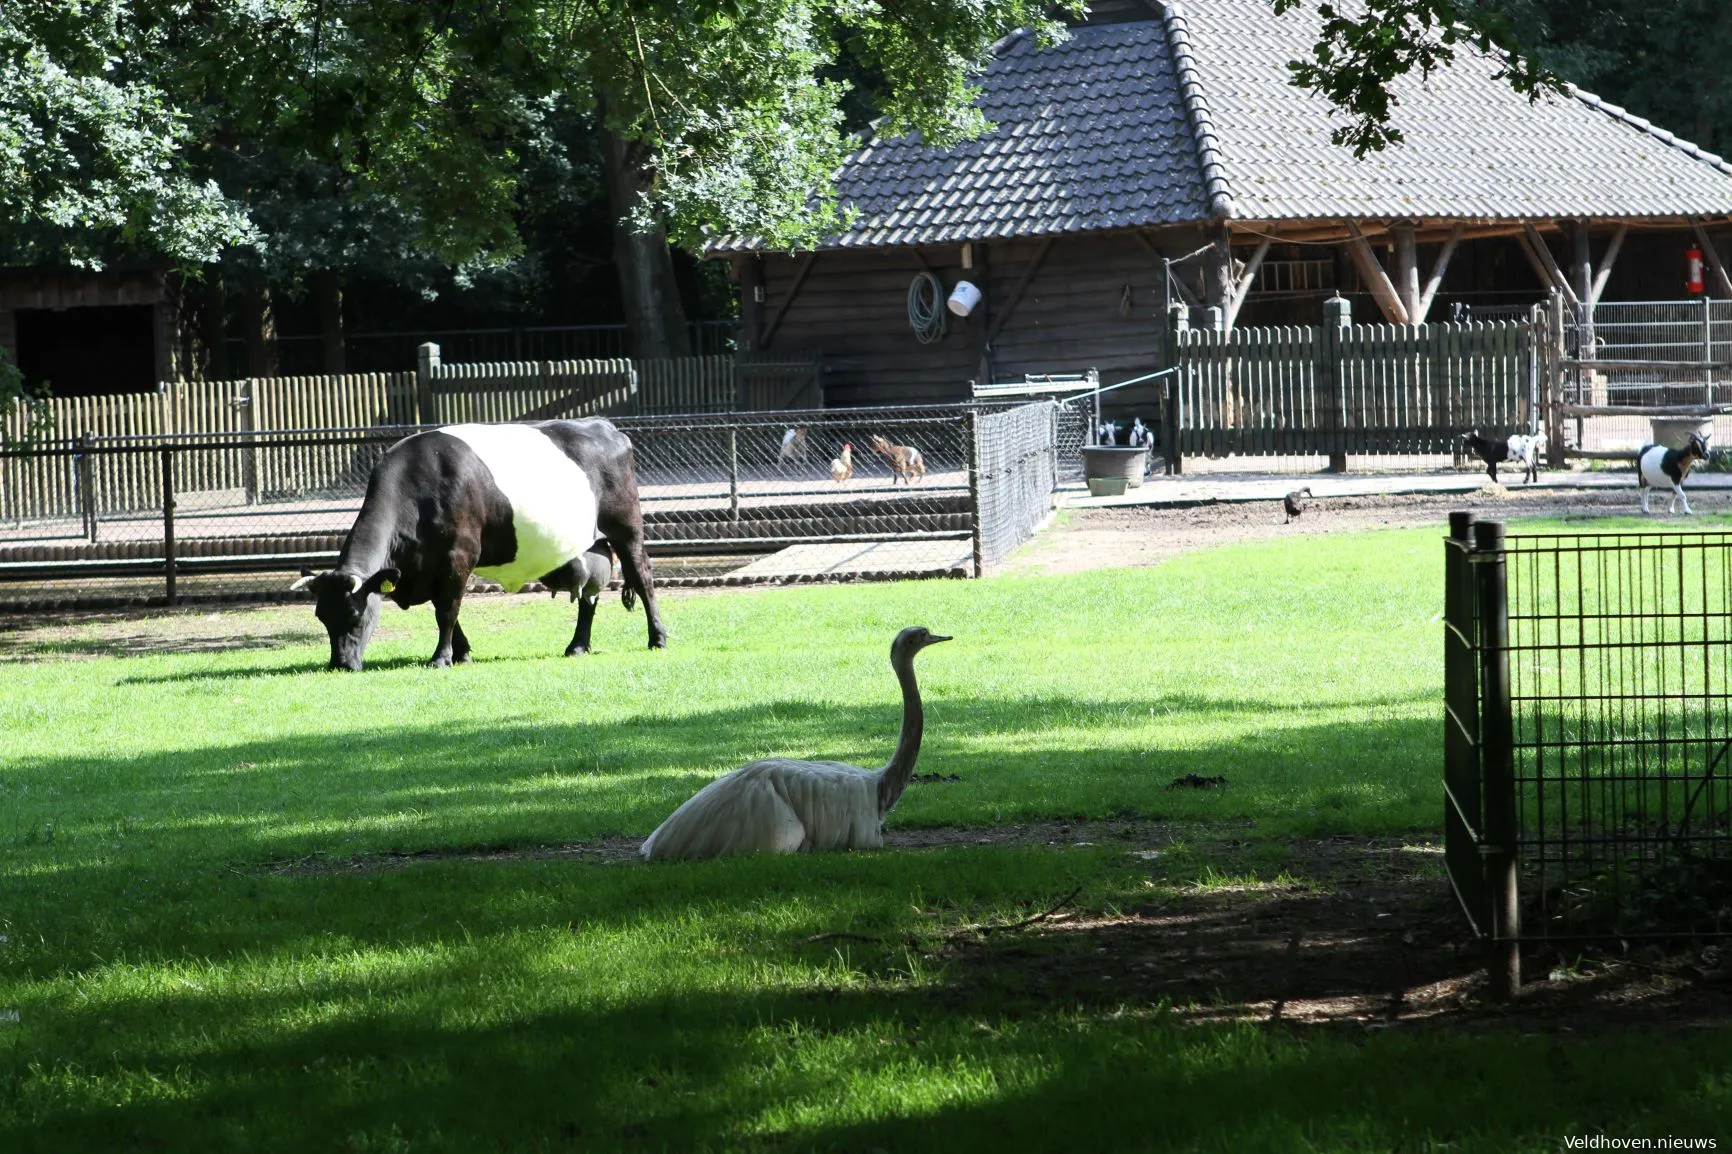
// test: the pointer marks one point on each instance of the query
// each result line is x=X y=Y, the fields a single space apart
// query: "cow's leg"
x=585 y=619
x=447 y=600
x=626 y=537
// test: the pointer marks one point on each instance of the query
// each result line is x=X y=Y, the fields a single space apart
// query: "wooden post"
x=1497 y=764
x=426 y=360
x=1407 y=272
x=1707 y=350
x=1554 y=382
x=733 y=474
x=1584 y=271
x=247 y=410
x=751 y=273
x=87 y=486
x=168 y=523
x=971 y=431
x=1172 y=413
x=1337 y=317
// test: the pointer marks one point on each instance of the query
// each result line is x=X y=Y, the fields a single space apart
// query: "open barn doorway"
x=90 y=351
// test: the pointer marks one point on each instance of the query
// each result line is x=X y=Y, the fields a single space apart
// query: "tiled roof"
x=1191 y=118
x=1473 y=146
x=1091 y=134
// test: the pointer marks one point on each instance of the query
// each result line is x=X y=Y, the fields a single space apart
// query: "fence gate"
x=1588 y=735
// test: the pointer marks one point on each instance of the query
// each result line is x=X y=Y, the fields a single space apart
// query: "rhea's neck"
x=895 y=775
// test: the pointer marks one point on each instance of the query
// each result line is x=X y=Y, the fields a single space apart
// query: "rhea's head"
x=911 y=641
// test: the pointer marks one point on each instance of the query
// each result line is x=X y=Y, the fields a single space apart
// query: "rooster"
x=841 y=468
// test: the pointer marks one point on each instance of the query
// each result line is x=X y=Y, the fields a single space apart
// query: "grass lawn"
x=189 y=962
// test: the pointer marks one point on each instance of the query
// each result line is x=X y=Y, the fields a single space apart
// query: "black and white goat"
x=1141 y=435
x=1519 y=448
x=1106 y=433
x=1657 y=465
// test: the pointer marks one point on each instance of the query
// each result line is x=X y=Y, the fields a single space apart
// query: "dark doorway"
x=84 y=352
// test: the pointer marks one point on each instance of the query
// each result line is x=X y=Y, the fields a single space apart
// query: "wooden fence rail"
x=1357 y=389
x=52 y=487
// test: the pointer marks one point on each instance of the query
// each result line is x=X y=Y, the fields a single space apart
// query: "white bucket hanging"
x=963 y=298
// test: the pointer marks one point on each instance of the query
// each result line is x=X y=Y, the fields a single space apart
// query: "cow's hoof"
x=575 y=651
x=439 y=663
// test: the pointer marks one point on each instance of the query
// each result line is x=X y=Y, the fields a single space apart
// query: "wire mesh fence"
x=1654 y=355
x=727 y=498
x=1589 y=688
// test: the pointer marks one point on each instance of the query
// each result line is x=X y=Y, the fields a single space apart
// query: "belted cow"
x=511 y=503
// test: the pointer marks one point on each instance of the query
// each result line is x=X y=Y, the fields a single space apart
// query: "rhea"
x=780 y=805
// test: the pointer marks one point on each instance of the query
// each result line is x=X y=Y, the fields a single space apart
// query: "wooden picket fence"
x=1360 y=389
x=59 y=486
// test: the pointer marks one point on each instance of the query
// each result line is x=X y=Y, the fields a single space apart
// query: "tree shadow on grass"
x=422 y=1050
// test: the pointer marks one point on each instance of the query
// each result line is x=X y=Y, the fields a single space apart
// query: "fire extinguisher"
x=1693 y=269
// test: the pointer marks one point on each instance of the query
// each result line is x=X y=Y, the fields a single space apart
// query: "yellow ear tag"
x=387 y=586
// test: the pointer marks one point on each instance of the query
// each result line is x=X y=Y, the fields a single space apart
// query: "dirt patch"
x=1345 y=932
x=1138 y=535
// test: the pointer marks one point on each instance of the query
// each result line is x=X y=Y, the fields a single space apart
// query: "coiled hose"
x=926 y=313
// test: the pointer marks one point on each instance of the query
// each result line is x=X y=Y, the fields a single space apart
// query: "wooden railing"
x=1357 y=389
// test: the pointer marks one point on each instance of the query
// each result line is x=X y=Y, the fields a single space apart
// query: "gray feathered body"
x=778 y=805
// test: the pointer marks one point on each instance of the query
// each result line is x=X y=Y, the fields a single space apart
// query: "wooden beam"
x=1713 y=255
x=1243 y=288
x=749 y=270
x=793 y=291
x=1606 y=262
x=1015 y=297
x=1406 y=271
x=1438 y=268
x=1179 y=286
x=1541 y=252
x=1374 y=277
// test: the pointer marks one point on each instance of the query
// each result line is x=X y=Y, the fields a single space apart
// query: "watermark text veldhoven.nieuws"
x=1602 y=1142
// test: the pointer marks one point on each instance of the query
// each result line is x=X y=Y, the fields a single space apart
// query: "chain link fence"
x=811 y=495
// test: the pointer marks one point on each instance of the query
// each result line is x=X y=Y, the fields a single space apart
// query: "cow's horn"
x=302 y=582
x=355 y=583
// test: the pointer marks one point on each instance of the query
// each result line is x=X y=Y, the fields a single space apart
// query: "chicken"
x=841 y=468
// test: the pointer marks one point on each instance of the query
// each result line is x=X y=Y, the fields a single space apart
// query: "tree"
x=1361 y=52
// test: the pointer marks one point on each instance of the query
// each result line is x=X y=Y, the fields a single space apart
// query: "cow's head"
x=348 y=605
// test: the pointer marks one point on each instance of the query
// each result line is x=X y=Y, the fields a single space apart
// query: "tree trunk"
x=655 y=319
x=260 y=325
x=213 y=320
x=328 y=296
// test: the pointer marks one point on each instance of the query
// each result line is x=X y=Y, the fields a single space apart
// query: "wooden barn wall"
x=852 y=308
x=1094 y=302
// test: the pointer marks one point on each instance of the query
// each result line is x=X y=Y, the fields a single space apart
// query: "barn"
x=1160 y=155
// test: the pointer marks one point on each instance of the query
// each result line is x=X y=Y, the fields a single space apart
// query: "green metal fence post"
x=1497 y=758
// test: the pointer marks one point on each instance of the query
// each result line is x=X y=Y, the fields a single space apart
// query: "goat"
x=1494 y=450
x=1141 y=435
x=1106 y=433
x=906 y=462
x=1657 y=465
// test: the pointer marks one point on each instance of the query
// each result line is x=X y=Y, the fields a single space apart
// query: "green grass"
x=173 y=990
